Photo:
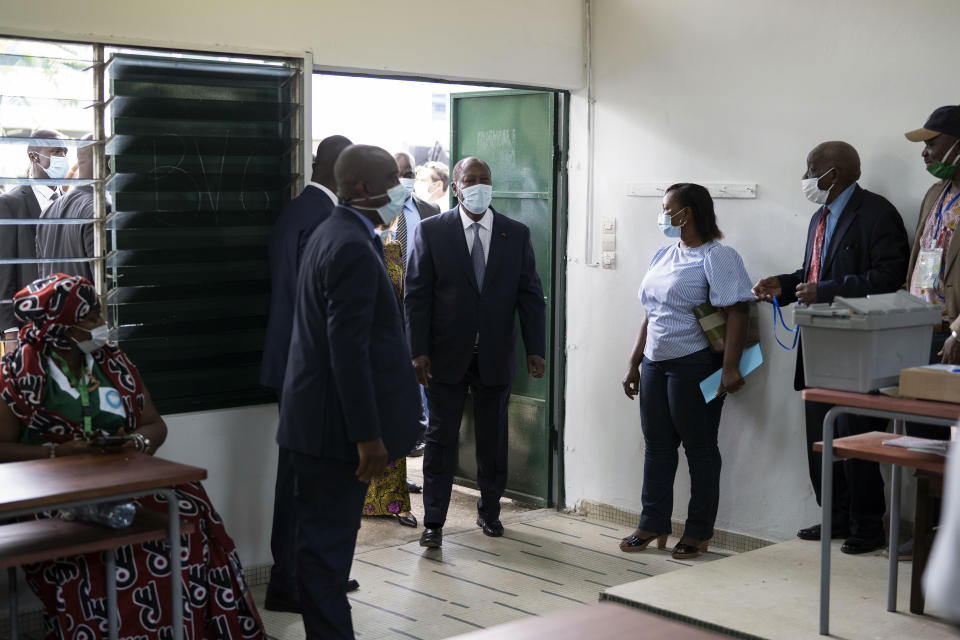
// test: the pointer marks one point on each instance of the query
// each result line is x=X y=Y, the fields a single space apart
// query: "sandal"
x=683 y=550
x=635 y=543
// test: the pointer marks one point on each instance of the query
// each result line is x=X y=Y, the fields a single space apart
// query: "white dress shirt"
x=330 y=194
x=486 y=231
x=44 y=196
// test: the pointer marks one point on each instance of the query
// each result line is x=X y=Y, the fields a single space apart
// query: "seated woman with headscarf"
x=64 y=385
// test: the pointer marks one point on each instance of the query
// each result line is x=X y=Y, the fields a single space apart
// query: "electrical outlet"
x=608 y=242
x=608 y=259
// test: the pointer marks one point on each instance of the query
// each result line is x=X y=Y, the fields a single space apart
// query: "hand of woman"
x=631 y=382
x=730 y=380
x=950 y=354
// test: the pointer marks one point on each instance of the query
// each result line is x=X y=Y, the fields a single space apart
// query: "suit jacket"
x=951 y=270
x=445 y=309
x=68 y=241
x=290 y=234
x=349 y=377
x=426 y=209
x=867 y=254
x=17 y=242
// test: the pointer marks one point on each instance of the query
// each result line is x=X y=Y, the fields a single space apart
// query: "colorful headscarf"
x=46 y=309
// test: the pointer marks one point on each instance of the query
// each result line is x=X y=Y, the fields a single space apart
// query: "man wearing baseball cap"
x=933 y=273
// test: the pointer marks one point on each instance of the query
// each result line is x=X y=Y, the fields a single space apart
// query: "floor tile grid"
x=554 y=562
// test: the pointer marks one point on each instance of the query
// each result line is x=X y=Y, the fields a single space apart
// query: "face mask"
x=812 y=190
x=665 y=222
x=388 y=212
x=99 y=336
x=422 y=189
x=476 y=199
x=408 y=185
x=943 y=171
x=59 y=167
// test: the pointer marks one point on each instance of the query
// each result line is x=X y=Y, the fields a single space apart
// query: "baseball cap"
x=943 y=120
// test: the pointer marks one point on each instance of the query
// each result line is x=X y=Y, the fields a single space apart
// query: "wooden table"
x=602 y=621
x=869 y=447
x=57 y=483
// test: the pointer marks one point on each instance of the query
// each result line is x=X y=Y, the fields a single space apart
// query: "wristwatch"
x=140 y=442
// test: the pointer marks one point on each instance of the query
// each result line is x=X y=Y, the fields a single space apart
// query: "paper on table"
x=750 y=360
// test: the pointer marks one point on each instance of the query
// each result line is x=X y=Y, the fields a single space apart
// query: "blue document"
x=750 y=360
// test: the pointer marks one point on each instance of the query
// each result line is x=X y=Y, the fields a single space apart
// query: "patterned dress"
x=388 y=495
x=73 y=590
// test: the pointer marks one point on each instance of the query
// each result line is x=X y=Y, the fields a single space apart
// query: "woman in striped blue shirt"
x=675 y=357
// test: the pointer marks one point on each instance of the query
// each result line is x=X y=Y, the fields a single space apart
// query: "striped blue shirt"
x=676 y=282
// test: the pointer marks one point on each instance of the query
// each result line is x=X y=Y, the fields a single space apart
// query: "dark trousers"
x=445 y=406
x=858 y=500
x=283 y=536
x=673 y=412
x=329 y=502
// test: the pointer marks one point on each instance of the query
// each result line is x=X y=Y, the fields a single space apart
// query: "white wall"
x=534 y=42
x=740 y=91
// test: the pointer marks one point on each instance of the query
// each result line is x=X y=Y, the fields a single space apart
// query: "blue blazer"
x=294 y=226
x=868 y=254
x=349 y=376
x=445 y=309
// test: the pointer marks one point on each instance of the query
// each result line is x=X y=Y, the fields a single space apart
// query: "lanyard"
x=777 y=312
x=82 y=387
x=940 y=211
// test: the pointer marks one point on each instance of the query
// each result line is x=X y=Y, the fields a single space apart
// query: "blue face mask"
x=388 y=212
x=476 y=199
x=58 y=168
x=408 y=185
x=665 y=222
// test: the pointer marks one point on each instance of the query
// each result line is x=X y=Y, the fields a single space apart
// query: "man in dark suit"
x=472 y=270
x=294 y=226
x=349 y=400
x=856 y=246
x=27 y=203
x=415 y=209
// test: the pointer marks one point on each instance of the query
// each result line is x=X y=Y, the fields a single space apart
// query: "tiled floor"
x=545 y=562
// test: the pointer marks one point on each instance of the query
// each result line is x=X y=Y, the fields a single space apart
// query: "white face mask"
x=422 y=189
x=812 y=191
x=476 y=199
x=99 y=336
x=59 y=167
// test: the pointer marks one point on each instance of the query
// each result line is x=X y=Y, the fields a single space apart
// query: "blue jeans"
x=673 y=412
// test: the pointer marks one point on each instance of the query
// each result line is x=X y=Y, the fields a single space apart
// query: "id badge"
x=928 y=267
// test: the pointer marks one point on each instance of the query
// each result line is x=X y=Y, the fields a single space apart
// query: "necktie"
x=476 y=253
x=401 y=236
x=817 y=258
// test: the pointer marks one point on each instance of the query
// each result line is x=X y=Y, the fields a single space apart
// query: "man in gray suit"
x=70 y=240
x=27 y=203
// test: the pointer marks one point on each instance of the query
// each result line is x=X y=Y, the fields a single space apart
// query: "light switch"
x=608 y=223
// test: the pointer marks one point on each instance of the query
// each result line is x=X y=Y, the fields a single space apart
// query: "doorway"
x=522 y=135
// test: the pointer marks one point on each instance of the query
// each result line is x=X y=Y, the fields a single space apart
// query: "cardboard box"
x=931 y=382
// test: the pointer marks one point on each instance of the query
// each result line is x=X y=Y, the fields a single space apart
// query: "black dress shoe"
x=276 y=601
x=407 y=521
x=855 y=545
x=417 y=450
x=432 y=538
x=491 y=528
x=813 y=533
x=352 y=585
x=413 y=487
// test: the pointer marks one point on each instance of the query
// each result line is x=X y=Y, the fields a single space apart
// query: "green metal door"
x=515 y=132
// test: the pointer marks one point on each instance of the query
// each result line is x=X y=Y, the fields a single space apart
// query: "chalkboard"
x=202 y=156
